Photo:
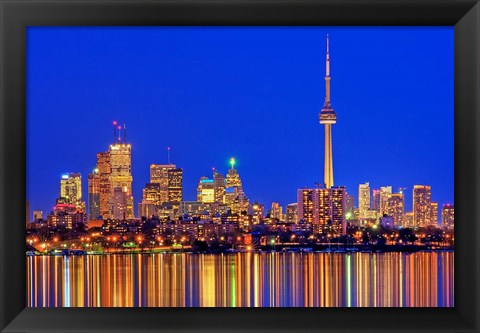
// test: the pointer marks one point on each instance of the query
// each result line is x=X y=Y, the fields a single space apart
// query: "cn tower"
x=328 y=117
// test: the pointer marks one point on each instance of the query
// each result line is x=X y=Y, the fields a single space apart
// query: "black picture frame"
x=16 y=15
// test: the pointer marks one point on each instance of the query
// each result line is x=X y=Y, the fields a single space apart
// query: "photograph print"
x=240 y=167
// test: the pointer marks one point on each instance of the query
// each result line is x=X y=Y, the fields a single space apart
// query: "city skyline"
x=246 y=169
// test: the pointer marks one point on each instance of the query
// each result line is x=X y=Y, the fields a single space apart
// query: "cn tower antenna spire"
x=327 y=74
x=328 y=57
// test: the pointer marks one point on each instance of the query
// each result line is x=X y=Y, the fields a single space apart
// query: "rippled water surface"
x=242 y=280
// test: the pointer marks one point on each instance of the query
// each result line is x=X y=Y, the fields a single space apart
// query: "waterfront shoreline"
x=260 y=250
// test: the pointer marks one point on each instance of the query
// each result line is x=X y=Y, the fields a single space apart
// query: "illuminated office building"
x=120 y=203
x=150 y=200
x=376 y=200
x=234 y=195
x=422 y=199
x=106 y=201
x=71 y=189
x=291 y=215
x=218 y=186
x=159 y=175
x=206 y=190
x=448 y=216
x=385 y=193
x=175 y=186
x=322 y=207
x=240 y=204
x=434 y=213
x=94 y=195
x=121 y=179
x=338 y=200
x=256 y=210
x=276 y=211
x=115 y=172
x=363 y=199
x=408 y=220
x=395 y=208
x=170 y=179
x=151 y=193
x=213 y=190
x=233 y=178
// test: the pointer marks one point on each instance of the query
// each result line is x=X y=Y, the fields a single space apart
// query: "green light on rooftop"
x=232 y=162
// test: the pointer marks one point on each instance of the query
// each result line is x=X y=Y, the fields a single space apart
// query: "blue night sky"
x=254 y=93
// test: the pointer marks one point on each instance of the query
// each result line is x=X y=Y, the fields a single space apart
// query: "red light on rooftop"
x=114 y=122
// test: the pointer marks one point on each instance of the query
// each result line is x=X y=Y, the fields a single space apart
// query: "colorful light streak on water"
x=242 y=280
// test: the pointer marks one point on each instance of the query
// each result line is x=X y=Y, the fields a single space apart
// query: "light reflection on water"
x=242 y=280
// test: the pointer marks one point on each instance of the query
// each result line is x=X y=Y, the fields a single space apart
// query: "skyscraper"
x=363 y=199
x=105 y=195
x=150 y=200
x=151 y=193
x=395 y=208
x=434 y=213
x=338 y=201
x=234 y=194
x=175 y=186
x=159 y=175
x=276 y=211
x=256 y=210
x=291 y=215
x=328 y=117
x=422 y=198
x=219 y=186
x=408 y=220
x=121 y=179
x=384 y=196
x=205 y=190
x=448 y=216
x=322 y=207
x=120 y=202
x=94 y=195
x=115 y=172
x=376 y=200
x=170 y=179
x=307 y=206
x=233 y=178
x=71 y=189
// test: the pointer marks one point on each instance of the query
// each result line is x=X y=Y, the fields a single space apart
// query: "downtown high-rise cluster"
x=323 y=209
